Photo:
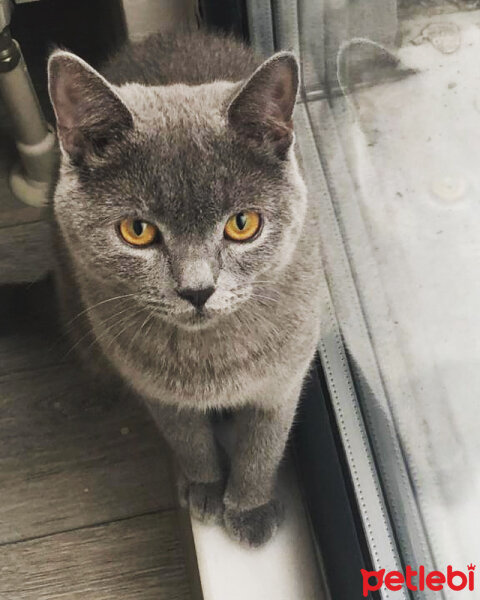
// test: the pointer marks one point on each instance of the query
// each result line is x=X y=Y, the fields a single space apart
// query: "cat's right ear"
x=88 y=110
x=262 y=110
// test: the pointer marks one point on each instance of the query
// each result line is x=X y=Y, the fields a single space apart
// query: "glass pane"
x=388 y=132
x=409 y=130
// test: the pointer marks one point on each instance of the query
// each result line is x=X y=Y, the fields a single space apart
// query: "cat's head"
x=188 y=197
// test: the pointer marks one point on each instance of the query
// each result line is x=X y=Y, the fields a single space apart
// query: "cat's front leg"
x=252 y=514
x=202 y=472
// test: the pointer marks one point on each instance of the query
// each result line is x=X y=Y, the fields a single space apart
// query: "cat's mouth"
x=196 y=319
x=201 y=316
x=206 y=316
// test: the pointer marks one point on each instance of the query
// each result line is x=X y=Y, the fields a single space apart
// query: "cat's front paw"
x=254 y=527
x=205 y=500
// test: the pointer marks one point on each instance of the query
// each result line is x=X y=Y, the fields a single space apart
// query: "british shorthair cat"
x=188 y=254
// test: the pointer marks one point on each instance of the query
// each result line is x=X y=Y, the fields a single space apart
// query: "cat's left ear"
x=262 y=110
x=89 y=112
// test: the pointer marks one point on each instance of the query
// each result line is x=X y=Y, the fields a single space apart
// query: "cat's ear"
x=89 y=112
x=261 y=112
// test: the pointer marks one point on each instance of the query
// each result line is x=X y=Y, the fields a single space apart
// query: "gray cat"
x=188 y=253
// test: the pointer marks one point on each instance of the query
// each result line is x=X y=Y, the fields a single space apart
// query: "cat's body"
x=185 y=156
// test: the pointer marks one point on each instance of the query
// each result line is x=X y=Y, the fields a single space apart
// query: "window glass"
x=391 y=109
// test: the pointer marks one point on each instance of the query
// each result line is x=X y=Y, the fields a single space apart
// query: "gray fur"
x=179 y=139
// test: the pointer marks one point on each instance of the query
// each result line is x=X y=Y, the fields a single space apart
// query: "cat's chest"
x=222 y=368
x=222 y=371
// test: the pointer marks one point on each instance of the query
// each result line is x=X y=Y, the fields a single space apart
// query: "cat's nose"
x=197 y=297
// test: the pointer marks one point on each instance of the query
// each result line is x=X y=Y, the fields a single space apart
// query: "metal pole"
x=35 y=141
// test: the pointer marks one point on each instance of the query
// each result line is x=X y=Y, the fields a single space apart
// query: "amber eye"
x=243 y=226
x=138 y=233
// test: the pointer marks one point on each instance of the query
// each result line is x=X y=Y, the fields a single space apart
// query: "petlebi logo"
x=419 y=580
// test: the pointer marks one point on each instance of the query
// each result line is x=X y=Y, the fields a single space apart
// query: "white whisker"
x=97 y=304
